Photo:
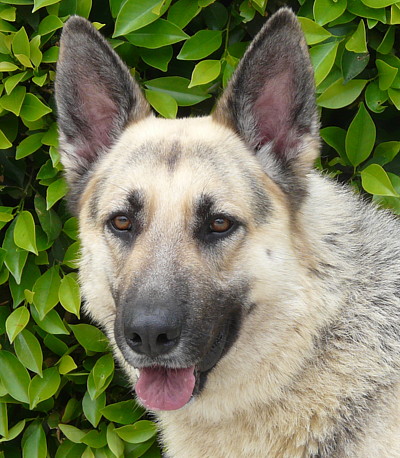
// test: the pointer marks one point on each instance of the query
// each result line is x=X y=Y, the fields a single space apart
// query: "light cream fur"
x=272 y=395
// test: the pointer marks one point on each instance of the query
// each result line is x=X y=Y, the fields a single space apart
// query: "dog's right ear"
x=96 y=97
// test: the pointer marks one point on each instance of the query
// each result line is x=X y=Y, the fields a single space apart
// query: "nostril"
x=135 y=340
x=163 y=340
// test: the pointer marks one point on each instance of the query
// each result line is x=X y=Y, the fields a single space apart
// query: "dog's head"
x=185 y=224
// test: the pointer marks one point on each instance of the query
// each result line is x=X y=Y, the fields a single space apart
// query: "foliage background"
x=60 y=394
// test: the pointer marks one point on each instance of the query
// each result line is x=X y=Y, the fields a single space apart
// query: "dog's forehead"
x=176 y=162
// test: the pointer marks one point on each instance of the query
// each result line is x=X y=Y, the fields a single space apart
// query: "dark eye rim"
x=224 y=218
x=210 y=236
x=112 y=225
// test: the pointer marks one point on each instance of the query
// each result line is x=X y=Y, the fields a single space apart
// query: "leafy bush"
x=60 y=394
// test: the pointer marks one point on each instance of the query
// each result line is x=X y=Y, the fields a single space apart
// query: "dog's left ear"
x=96 y=97
x=270 y=100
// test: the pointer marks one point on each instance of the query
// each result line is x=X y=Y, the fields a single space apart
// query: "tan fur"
x=280 y=409
x=311 y=273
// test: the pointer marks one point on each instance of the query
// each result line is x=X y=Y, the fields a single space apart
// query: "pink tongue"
x=159 y=388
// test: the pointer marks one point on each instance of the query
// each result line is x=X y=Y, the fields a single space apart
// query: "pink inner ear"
x=100 y=114
x=273 y=111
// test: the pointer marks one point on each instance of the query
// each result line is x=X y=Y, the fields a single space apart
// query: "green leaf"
x=56 y=345
x=72 y=410
x=182 y=12
x=66 y=364
x=8 y=13
x=388 y=41
x=46 y=292
x=323 y=57
x=177 y=87
x=42 y=388
x=379 y=3
x=71 y=257
x=51 y=55
x=135 y=15
x=36 y=54
x=20 y=47
x=358 y=41
x=92 y=408
x=353 y=64
x=50 y=24
x=29 y=351
x=375 y=180
x=24 y=232
x=16 y=322
x=200 y=45
x=29 y=145
x=4 y=142
x=394 y=14
x=163 y=103
x=56 y=191
x=385 y=152
x=313 y=32
x=83 y=8
x=375 y=98
x=3 y=420
x=216 y=17
x=49 y=220
x=247 y=12
x=33 y=109
x=124 y=412
x=14 y=432
x=204 y=72
x=72 y=433
x=14 y=376
x=359 y=9
x=6 y=66
x=339 y=95
x=100 y=376
x=34 y=441
x=51 y=323
x=91 y=338
x=386 y=73
x=156 y=35
x=394 y=95
x=71 y=228
x=360 y=137
x=328 y=10
x=69 y=294
x=157 y=58
x=12 y=81
x=141 y=431
x=29 y=275
x=41 y=3
x=15 y=258
x=114 y=442
x=95 y=439
x=13 y=102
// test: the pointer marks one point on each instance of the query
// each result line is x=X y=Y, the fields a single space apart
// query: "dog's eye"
x=121 y=223
x=220 y=225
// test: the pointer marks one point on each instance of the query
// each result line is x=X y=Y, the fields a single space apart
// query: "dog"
x=253 y=302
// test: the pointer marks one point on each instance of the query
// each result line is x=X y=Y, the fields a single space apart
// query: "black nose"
x=152 y=335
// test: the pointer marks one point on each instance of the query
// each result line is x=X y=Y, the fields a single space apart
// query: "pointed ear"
x=270 y=100
x=95 y=94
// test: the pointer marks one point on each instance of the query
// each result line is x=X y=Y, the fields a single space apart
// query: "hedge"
x=60 y=394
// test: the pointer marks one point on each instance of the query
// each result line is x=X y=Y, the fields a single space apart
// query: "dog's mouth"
x=163 y=388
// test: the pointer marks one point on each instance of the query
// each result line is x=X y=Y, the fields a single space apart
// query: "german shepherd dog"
x=253 y=303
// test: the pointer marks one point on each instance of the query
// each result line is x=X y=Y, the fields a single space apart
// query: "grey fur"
x=304 y=289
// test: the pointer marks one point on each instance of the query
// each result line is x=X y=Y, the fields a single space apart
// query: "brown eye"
x=121 y=223
x=220 y=225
